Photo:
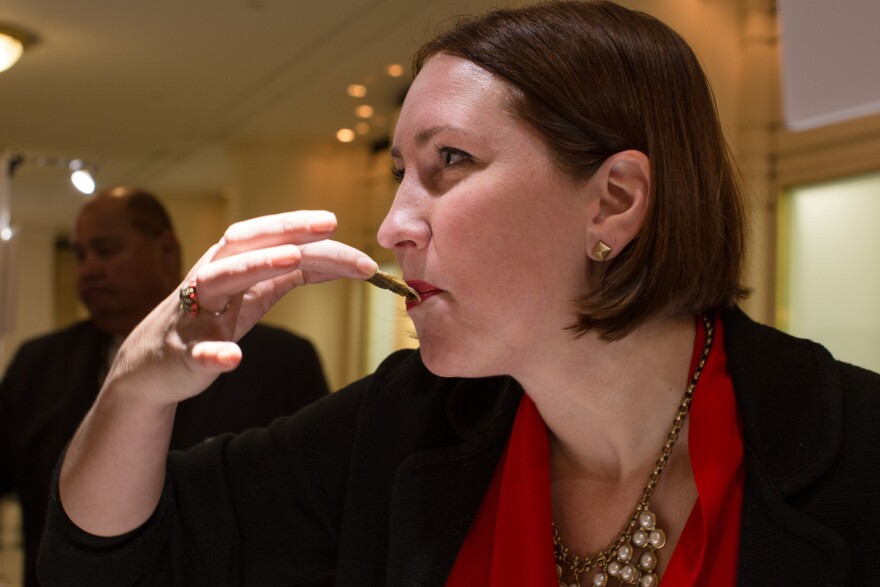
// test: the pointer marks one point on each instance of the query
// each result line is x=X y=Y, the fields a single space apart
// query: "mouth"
x=425 y=291
x=95 y=291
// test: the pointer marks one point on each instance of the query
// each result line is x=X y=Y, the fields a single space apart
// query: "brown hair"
x=595 y=79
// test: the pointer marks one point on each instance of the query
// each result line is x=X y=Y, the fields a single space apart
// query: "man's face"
x=121 y=274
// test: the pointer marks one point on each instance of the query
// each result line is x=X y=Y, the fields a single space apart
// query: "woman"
x=587 y=406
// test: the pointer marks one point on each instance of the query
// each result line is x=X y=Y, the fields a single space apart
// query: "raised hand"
x=114 y=469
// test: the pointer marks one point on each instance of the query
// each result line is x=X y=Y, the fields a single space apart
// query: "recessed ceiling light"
x=362 y=128
x=364 y=111
x=357 y=90
x=394 y=70
x=345 y=135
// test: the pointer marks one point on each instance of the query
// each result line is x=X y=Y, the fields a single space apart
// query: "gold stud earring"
x=601 y=250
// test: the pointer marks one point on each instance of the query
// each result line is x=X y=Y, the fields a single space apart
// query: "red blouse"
x=511 y=540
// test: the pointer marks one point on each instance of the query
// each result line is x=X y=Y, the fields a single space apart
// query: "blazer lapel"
x=791 y=409
x=780 y=546
x=437 y=494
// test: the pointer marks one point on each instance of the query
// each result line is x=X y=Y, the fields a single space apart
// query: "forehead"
x=450 y=92
x=101 y=219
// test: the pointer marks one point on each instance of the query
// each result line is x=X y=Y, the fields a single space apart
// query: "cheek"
x=123 y=267
x=129 y=271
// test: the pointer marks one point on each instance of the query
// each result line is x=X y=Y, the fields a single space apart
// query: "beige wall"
x=277 y=176
x=33 y=292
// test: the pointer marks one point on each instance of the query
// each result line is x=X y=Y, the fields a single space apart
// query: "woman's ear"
x=621 y=191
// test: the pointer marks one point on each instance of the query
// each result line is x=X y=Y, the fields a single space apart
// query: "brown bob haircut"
x=595 y=79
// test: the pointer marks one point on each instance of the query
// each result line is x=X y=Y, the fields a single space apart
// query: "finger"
x=301 y=226
x=214 y=356
x=329 y=257
x=262 y=296
x=328 y=260
x=222 y=279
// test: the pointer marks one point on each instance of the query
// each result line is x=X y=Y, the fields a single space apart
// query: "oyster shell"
x=395 y=284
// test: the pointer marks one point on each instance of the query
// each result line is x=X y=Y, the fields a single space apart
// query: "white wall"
x=33 y=289
x=831 y=267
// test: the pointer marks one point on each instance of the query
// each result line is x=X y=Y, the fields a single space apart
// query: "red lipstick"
x=425 y=289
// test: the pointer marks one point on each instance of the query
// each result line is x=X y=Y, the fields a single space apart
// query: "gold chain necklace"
x=632 y=557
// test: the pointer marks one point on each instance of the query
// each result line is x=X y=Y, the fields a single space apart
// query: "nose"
x=406 y=225
x=87 y=265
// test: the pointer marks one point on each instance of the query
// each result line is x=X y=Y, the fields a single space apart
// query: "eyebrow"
x=96 y=242
x=422 y=137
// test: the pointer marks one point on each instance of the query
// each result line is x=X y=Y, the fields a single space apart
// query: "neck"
x=608 y=406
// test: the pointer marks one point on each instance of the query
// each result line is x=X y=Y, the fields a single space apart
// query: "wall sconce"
x=13 y=42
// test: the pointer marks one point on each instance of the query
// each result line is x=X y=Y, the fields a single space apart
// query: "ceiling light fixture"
x=345 y=135
x=364 y=111
x=357 y=90
x=13 y=42
x=83 y=181
x=82 y=173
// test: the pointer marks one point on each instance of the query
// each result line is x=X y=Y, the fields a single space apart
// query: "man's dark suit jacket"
x=53 y=380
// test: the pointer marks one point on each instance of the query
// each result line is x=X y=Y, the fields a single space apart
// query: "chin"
x=455 y=362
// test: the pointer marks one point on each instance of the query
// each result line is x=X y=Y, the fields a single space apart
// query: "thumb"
x=214 y=356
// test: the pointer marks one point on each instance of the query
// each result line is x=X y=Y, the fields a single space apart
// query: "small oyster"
x=395 y=284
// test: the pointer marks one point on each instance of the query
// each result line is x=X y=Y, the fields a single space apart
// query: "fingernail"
x=324 y=223
x=366 y=265
x=288 y=257
x=227 y=358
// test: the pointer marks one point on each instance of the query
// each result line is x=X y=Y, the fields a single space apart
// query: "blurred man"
x=128 y=260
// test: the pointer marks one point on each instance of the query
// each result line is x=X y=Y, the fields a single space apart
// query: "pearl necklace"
x=631 y=558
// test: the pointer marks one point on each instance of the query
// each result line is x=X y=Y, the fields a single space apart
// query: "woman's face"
x=483 y=225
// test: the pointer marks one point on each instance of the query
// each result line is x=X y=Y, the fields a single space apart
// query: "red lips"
x=425 y=289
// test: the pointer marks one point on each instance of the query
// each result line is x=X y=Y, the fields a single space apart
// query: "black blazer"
x=378 y=483
x=53 y=380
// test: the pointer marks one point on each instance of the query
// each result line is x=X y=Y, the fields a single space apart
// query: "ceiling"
x=151 y=91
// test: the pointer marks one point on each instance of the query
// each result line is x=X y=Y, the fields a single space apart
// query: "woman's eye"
x=397 y=173
x=452 y=156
